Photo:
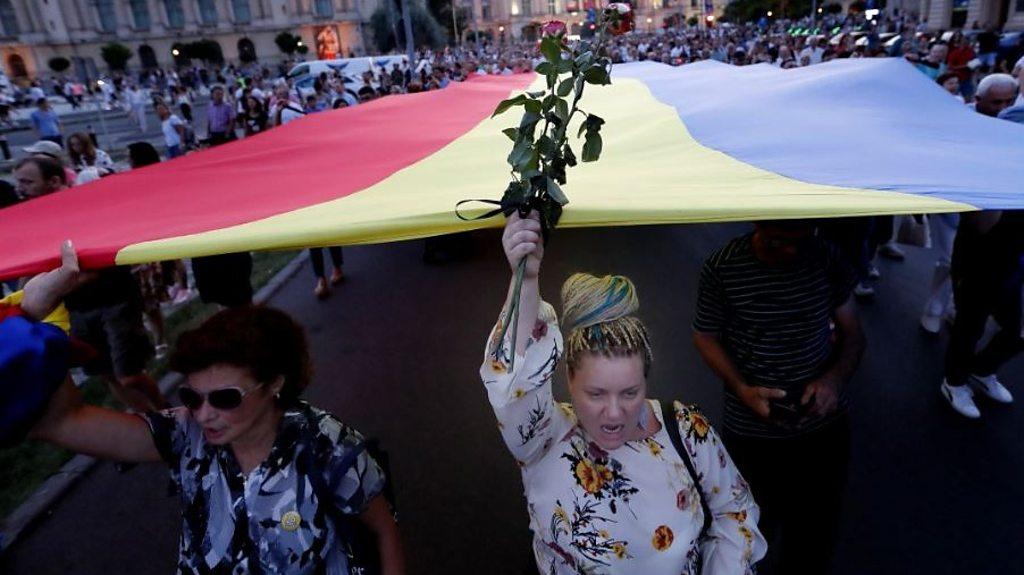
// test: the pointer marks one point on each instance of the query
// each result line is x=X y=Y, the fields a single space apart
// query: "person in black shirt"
x=775 y=320
x=106 y=313
x=987 y=279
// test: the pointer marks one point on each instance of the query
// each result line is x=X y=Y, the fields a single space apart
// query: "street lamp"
x=769 y=13
x=299 y=43
x=175 y=52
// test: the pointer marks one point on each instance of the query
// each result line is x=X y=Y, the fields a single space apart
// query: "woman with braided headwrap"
x=610 y=487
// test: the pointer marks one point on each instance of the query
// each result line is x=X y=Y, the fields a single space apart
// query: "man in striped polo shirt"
x=776 y=322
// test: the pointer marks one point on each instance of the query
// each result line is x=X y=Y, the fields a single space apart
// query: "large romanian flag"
x=701 y=143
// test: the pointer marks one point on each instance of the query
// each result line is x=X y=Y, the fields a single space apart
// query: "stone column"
x=939 y=14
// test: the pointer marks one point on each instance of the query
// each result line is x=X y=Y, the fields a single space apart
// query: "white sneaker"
x=931 y=323
x=990 y=386
x=892 y=251
x=863 y=290
x=961 y=399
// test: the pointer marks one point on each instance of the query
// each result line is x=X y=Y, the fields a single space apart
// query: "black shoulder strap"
x=672 y=427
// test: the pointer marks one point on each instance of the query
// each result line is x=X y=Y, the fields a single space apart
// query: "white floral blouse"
x=631 y=510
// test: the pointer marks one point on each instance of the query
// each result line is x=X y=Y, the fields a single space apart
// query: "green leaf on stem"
x=546 y=146
x=592 y=147
x=506 y=104
x=512 y=133
x=531 y=163
x=555 y=192
x=564 y=66
x=597 y=75
x=591 y=124
x=533 y=106
x=544 y=68
x=570 y=158
x=557 y=169
x=549 y=102
x=551 y=48
x=564 y=88
x=562 y=110
x=529 y=121
x=520 y=152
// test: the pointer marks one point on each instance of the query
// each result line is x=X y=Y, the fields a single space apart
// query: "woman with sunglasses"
x=268 y=483
x=616 y=483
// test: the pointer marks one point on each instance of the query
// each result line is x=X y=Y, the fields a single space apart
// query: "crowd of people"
x=776 y=320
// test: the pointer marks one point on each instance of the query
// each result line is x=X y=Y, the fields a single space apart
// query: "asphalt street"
x=397 y=348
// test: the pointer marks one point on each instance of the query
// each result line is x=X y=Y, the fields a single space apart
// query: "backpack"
x=360 y=544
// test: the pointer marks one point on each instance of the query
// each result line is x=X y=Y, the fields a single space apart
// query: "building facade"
x=521 y=19
x=946 y=14
x=34 y=31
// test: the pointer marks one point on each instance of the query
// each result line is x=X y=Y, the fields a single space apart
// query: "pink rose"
x=553 y=28
x=625 y=21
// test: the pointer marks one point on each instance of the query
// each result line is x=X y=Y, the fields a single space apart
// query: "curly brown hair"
x=266 y=341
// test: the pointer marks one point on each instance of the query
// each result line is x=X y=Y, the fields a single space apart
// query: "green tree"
x=59 y=63
x=287 y=42
x=205 y=50
x=389 y=34
x=116 y=55
x=441 y=10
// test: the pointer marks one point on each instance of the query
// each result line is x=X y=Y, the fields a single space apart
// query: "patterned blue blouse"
x=270 y=521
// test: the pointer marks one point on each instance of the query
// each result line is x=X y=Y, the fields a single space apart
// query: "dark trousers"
x=854 y=239
x=799 y=484
x=59 y=140
x=218 y=138
x=978 y=296
x=316 y=257
x=224 y=279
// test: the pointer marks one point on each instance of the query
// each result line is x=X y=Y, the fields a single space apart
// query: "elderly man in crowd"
x=996 y=92
x=220 y=118
x=776 y=322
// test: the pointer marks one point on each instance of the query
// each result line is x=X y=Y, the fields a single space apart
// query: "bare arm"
x=378 y=518
x=82 y=428
x=824 y=391
x=522 y=238
x=715 y=355
x=851 y=342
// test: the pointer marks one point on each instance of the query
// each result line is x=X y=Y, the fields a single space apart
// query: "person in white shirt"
x=137 y=104
x=812 y=51
x=173 y=129
x=617 y=483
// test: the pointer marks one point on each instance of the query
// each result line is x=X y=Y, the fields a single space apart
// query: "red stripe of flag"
x=310 y=161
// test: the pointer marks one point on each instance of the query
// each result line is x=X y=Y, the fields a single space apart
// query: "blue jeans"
x=174 y=151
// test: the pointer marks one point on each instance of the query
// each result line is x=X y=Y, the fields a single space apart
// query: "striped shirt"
x=775 y=321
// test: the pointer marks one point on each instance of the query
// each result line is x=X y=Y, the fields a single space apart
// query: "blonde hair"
x=598 y=316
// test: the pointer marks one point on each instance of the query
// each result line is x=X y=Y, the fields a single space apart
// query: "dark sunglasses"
x=226 y=398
